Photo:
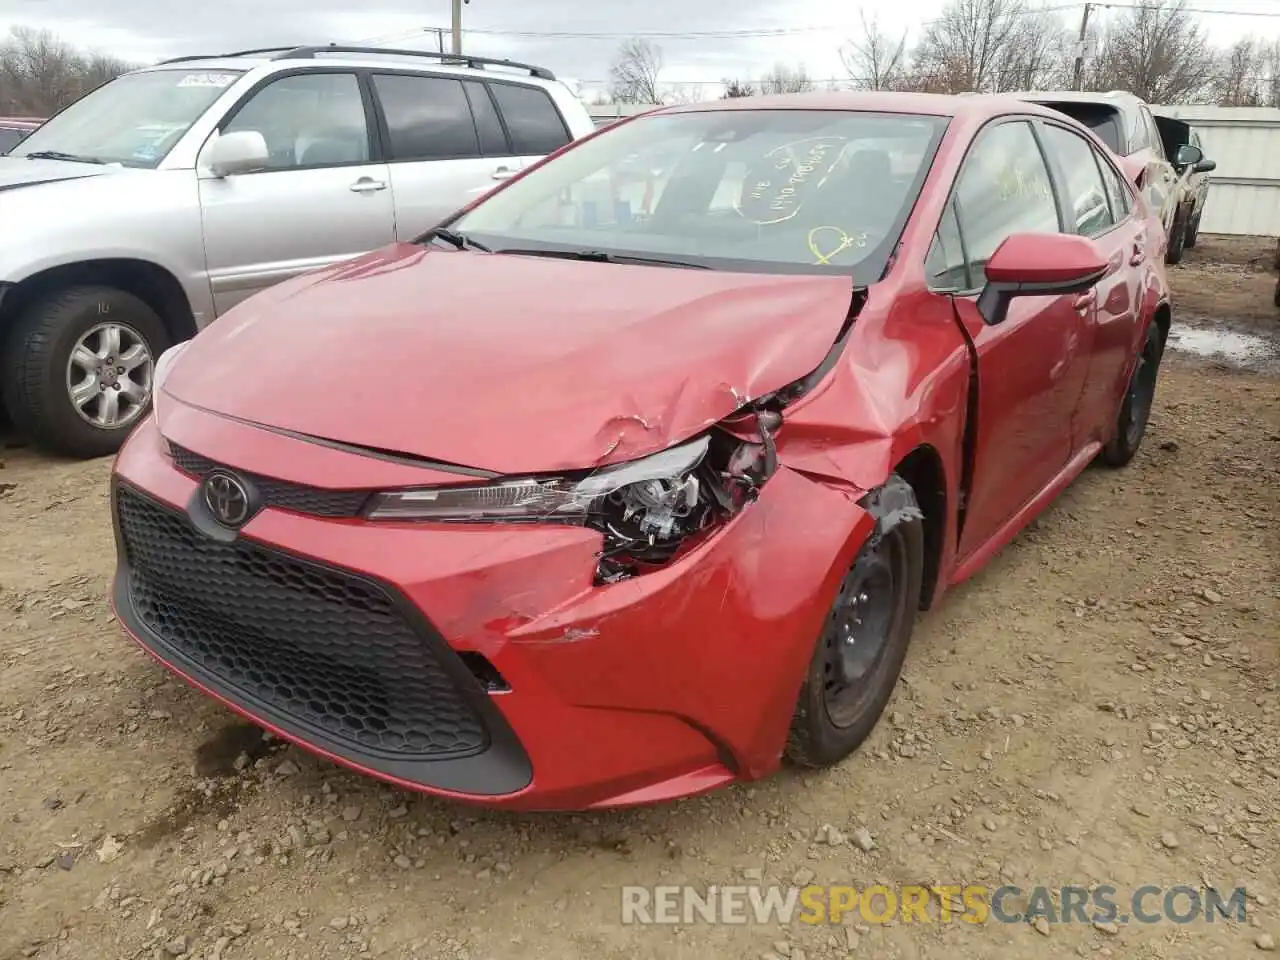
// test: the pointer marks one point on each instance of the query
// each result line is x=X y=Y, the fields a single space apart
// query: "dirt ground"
x=1099 y=706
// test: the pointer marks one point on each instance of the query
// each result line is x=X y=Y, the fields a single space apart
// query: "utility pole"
x=1079 y=68
x=457 y=25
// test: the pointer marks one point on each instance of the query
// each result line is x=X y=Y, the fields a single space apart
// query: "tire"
x=38 y=366
x=1135 y=410
x=1193 y=232
x=1177 y=239
x=829 y=724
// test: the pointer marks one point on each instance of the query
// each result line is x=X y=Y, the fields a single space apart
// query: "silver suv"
x=152 y=205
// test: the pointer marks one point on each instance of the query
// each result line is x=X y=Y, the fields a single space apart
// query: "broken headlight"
x=654 y=490
x=645 y=509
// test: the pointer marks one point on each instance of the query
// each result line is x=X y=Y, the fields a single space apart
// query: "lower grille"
x=280 y=494
x=329 y=649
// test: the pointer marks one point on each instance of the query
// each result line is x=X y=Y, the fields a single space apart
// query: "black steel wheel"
x=858 y=657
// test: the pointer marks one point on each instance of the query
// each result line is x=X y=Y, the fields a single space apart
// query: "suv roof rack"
x=223 y=56
x=308 y=53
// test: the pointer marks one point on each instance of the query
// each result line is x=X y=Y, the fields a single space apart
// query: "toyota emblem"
x=227 y=499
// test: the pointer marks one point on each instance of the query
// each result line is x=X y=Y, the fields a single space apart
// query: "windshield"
x=783 y=191
x=134 y=120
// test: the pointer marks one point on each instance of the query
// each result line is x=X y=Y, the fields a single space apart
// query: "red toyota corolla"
x=630 y=479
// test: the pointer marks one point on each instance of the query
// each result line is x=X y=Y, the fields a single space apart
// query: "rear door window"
x=428 y=118
x=533 y=121
x=1086 y=193
x=1105 y=121
x=493 y=139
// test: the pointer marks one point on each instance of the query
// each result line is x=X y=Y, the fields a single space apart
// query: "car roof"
x=977 y=106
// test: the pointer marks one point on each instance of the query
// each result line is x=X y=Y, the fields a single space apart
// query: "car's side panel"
x=1031 y=369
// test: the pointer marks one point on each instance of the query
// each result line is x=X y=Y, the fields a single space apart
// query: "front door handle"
x=503 y=173
x=1137 y=256
x=367 y=185
x=1086 y=300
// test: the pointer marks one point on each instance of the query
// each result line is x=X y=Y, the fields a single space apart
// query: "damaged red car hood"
x=509 y=363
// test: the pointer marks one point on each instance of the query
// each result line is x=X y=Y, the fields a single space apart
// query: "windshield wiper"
x=59 y=155
x=459 y=240
x=602 y=256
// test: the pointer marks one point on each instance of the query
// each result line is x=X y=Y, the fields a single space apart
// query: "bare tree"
x=1269 y=74
x=876 y=61
x=635 y=70
x=783 y=79
x=40 y=74
x=989 y=46
x=1238 y=81
x=686 y=93
x=1159 y=52
x=735 y=88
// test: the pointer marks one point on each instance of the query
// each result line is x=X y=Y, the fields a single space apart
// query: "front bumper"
x=367 y=643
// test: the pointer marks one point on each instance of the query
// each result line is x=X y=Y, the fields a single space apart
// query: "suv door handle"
x=1137 y=256
x=1086 y=300
x=367 y=185
x=503 y=173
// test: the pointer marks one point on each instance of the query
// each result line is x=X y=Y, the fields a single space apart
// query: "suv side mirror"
x=244 y=151
x=1037 y=265
x=1189 y=155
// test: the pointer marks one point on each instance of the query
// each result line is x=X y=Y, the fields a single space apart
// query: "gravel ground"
x=1099 y=706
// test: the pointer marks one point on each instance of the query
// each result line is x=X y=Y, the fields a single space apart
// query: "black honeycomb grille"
x=326 y=648
x=279 y=493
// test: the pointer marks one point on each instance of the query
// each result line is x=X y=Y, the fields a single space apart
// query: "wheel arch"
x=151 y=283
x=922 y=468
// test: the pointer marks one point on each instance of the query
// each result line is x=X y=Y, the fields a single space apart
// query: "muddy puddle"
x=1233 y=348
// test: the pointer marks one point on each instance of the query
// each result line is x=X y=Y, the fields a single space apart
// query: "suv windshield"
x=784 y=191
x=133 y=120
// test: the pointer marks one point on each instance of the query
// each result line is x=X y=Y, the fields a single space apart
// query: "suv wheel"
x=1177 y=238
x=1193 y=231
x=77 y=369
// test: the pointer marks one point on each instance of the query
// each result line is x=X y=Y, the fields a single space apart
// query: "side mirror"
x=1038 y=265
x=1205 y=166
x=244 y=151
x=1189 y=155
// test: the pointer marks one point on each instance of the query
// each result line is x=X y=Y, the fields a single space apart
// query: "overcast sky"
x=808 y=33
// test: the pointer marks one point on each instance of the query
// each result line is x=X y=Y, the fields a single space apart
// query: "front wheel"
x=1135 y=411
x=78 y=367
x=858 y=657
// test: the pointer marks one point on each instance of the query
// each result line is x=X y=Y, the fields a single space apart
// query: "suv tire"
x=59 y=347
x=1177 y=238
x=1193 y=231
